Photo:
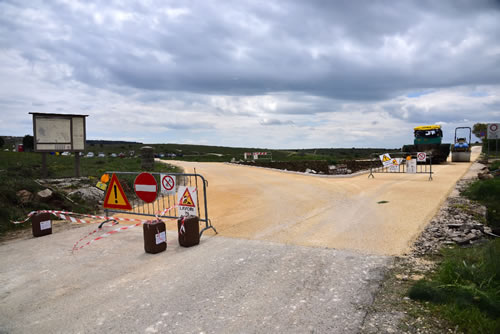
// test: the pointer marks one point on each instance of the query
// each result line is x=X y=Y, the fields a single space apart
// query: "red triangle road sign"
x=115 y=196
x=186 y=199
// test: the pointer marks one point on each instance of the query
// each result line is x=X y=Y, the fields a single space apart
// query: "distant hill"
x=112 y=142
x=222 y=153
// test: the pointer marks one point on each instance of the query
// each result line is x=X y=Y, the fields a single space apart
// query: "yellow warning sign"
x=115 y=196
x=101 y=185
x=186 y=199
x=386 y=159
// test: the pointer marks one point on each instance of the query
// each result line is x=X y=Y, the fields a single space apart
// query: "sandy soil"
x=253 y=203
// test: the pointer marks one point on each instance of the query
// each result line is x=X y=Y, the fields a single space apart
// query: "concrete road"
x=343 y=213
x=260 y=275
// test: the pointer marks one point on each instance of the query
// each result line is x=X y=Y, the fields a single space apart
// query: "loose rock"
x=44 y=195
x=24 y=196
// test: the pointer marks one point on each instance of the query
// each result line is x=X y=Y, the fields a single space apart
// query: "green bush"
x=487 y=192
x=495 y=165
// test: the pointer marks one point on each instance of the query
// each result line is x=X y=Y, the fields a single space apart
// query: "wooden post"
x=77 y=164
x=44 y=164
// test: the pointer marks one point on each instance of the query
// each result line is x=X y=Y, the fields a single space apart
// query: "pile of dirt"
x=459 y=221
x=316 y=166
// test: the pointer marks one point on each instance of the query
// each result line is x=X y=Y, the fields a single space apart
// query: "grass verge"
x=487 y=192
x=465 y=288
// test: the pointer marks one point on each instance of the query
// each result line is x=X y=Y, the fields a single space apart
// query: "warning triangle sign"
x=186 y=199
x=115 y=196
x=386 y=158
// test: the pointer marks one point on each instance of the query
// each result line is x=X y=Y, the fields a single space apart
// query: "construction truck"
x=460 y=151
x=428 y=139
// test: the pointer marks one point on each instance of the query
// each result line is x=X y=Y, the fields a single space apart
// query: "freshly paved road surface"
x=256 y=203
x=260 y=275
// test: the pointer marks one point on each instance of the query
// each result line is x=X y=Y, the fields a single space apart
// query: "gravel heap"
x=459 y=221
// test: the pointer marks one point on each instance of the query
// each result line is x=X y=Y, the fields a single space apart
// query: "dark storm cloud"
x=338 y=49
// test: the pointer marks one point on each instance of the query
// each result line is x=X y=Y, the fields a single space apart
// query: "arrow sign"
x=145 y=187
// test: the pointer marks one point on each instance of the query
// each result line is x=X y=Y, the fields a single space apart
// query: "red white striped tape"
x=113 y=223
x=107 y=234
x=67 y=216
x=119 y=229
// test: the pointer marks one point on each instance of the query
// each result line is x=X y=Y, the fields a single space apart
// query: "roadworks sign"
x=187 y=199
x=386 y=159
x=115 y=196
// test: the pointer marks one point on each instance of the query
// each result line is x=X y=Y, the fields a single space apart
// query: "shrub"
x=487 y=192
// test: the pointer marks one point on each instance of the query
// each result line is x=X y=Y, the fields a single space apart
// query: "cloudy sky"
x=270 y=74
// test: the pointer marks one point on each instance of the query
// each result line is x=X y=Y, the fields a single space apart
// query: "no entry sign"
x=167 y=184
x=145 y=187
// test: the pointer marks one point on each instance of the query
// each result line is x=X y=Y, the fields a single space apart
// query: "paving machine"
x=460 y=151
x=428 y=139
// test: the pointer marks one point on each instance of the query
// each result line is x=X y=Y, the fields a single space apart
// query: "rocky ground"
x=317 y=166
x=458 y=222
x=75 y=188
x=56 y=193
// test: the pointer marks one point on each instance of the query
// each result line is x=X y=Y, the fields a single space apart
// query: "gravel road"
x=259 y=275
x=343 y=213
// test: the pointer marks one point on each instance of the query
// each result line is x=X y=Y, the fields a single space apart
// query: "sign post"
x=493 y=133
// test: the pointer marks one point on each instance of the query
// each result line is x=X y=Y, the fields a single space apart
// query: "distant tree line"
x=479 y=128
x=28 y=143
x=109 y=142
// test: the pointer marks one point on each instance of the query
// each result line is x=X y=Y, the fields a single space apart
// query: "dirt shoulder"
x=459 y=221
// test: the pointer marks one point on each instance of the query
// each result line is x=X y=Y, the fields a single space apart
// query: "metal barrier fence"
x=163 y=201
x=424 y=167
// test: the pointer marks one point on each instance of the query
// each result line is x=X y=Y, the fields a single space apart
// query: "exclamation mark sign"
x=116 y=195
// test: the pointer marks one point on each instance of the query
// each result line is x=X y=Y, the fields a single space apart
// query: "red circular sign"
x=145 y=187
x=493 y=127
x=168 y=182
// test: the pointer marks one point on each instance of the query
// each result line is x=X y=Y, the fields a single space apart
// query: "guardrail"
x=165 y=204
x=403 y=165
